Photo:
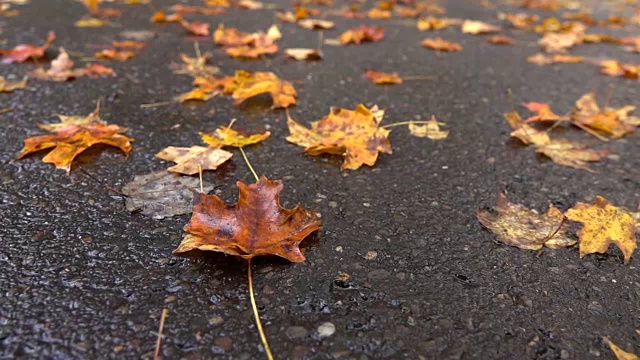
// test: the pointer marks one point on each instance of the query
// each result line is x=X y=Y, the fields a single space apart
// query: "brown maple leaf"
x=115 y=54
x=501 y=40
x=382 y=78
x=247 y=45
x=617 y=68
x=194 y=66
x=74 y=135
x=434 y=23
x=22 y=53
x=441 y=45
x=255 y=225
x=354 y=134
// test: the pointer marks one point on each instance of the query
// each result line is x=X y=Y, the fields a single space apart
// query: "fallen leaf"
x=616 y=68
x=542 y=59
x=600 y=38
x=521 y=227
x=382 y=78
x=604 y=224
x=316 y=24
x=429 y=130
x=62 y=69
x=249 y=84
x=354 y=134
x=162 y=194
x=250 y=4
x=114 y=54
x=501 y=40
x=138 y=35
x=7 y=86
x=441 y=44
x=90 y=22
x=478 y=27
x=519 y=20
x=129 y=44
x=225 y=136
x=248 y=45
x=304 y=54
x=434 y=23
x=231 y=36
x=543 y=112
x=22 y=52
x=378 y=14
x=161 y=17
x=180 y=8
x=546 y=5
x=190 y=160
x=361 y=34
x=619 y=353
x=611 y=121
x=255 y=225
x=197 y=94
x=74 y=135
x=195 y=27
x=559 y=42
x=195 y=66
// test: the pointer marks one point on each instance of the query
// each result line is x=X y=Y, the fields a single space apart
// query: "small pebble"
x=327 y=329
x=296 y=332
x=371 y=255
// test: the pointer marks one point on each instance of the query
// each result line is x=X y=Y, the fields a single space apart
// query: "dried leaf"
x=129 y=44
x=62 y=69
x=519 y=20
x=304 y=54
x=604 y=224
x=429 y=130
x=73 y=136
x=559 y=42
x=501 y=40
x=161 y=17
x=521 y=227
x=478 y=27
x=378 y=14
x=249 y=84
x=361 y=34
x=611 y=121
x=541 y=59
x=441 y=44
x=354 y=134
x=195 y=66
x=138 y=35
x=255 y=225
x=433 y=23
x=241 y=44
x=382 y=78
x=543 y=112
x=316 y=24
x=22 y=52
x=162 y=194
x=115 y=54
x=197 y=94
x=619 y=353
x=616 y=68
x=190 y=160
x=195 y=27
x=184 y=9
x=225 y=136
x=7 y=86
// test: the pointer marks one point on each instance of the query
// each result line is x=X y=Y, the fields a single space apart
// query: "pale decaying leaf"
x=9 y=86
x=304 y=54
x=429 y=130
x=162 y=194
x=604 y=224
x=190 y=160
x=619 y=353
x=478 y=27
x=521 y=227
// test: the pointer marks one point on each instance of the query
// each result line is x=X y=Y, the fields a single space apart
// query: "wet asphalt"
x=82 y=278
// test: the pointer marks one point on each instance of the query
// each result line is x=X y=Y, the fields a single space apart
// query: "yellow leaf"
x=521 y=227
x=198 y=94
x=9 y=86
x=478 y=27
x=620 y=354
x=191 y=159
x=604 y=224
x=90 y=22
x=225 y=136
x=249 y=84
x=430 y=130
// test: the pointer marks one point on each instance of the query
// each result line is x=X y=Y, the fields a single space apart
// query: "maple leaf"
x=478 y=27
x=619 y=353
x=62 y=69
x=74 y=135
x=616 y=68
x=197 y=94
x=316 y=24
x=501 y=40
x=441 y=44
x=543 y=112
x=162 y=194
x=361 y=34
x=225 y=136
x=434 y=23
x=354 y=134
x=304 y=54
x=559 y=42
x=195 y=27
x=191 y=160
x=255 y=225
x=248 y=45
x=161 y=17
x=563 y=152
x=194 y=66
x=541 y=59
x=115 y=54
x=23 y=52
x=521 y=227
x=429 y=130
x=382 y=78
x=604 y=224
x=249 y=84
x=615 y=122
x=9 y=86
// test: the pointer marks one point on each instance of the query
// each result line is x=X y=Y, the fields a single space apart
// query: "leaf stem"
x=156 y=354
x=263 y=337
x=564 y=219
x=405 y=123
x=244 y=155
x=162 y=103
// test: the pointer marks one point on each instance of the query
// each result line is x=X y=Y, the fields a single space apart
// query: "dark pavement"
x=82 y=278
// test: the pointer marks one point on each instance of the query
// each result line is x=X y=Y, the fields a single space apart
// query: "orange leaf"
x=115 y=54
x=225 y=136
x=354 y=134
x=195 y=27
x=129 y=44
x=22 y=53
x=62 y=69
x=161 y=17
x=543 y=111
x=542 y=59
x=316 y=24
x=616 y=68
x=361 y=34
x=501 y=40
x=255 y=225
x=433 y=23
x=382 y=78
x=441 y=44
x=248 y=84
x=74 y=135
